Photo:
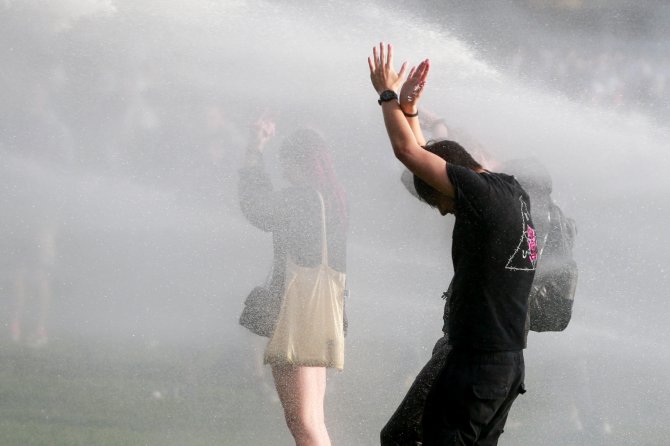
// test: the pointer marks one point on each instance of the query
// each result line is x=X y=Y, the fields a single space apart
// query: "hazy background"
x=123 y=124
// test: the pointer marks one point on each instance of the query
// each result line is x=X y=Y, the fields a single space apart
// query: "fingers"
x=384 y=76
x=411 y=73
x=382 y=55
x=423 y=69
x=420 y=72
x=270 y=127
x=385 y=55
x=389 y=56
x=403 y=68
x=417 y=78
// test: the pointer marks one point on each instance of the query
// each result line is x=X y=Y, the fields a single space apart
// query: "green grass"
x=78 y=393
x=84 y=392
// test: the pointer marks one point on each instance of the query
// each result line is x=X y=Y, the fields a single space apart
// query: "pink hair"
x=307 y=151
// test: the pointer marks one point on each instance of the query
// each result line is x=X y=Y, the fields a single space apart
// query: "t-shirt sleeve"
x=473 y=192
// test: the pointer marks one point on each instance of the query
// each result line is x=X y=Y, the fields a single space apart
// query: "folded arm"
x=255 y=190
x=406 y=147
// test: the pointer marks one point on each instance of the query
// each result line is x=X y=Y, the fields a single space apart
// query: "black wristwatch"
x=387 y=95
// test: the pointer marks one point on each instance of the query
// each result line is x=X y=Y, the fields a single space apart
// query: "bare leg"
x=320 y=373
x=301 y=391
x=260 y=371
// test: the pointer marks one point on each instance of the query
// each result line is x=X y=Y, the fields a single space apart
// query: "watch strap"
x=387 y=95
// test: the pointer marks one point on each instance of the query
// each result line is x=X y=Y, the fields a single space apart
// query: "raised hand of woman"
x=262 y=131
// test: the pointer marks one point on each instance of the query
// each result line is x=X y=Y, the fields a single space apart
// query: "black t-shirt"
x=494 y=251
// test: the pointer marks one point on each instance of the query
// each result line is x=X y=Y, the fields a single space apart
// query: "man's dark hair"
x=453 y=153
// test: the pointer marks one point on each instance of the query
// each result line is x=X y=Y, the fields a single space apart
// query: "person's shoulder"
x=473 y=183
x=456 y=172
x=499 y=176
x=497 y=180
x=503 y=188
x=455 y=168
x=531 y=174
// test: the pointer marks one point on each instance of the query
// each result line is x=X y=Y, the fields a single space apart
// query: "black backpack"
x=553 y=290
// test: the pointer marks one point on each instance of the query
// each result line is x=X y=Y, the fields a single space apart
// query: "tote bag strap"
x=324 y=243
x=269 y=276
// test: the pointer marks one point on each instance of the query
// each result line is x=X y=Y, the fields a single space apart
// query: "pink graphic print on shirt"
x=524 y=257
x=532 y=243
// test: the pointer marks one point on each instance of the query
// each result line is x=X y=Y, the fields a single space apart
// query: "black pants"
x=471 y=397
x=404 y=427
x=462 y=397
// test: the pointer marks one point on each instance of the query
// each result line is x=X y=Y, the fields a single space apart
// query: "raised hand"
x=410 y=93
x=262 y=130
x=382 y=73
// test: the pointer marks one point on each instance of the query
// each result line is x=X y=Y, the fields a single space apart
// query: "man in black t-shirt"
x=550 y=299
x=494 y=252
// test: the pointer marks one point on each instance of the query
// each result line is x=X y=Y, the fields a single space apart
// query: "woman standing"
x=308 y=221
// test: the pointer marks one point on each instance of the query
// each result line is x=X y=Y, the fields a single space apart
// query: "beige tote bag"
x=309 y=330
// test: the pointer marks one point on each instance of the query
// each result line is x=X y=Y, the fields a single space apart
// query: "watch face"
x=387 y=95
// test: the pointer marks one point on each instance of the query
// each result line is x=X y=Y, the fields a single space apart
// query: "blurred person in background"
x=33 y=286
x=33 y=158
x=294 y=216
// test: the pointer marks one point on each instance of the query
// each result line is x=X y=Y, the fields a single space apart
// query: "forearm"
x=422 y=163
x=254 y=193
x=405 y=142
x=254 y=154
x=415 y=126
x=411 y=112
x=401 y=133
